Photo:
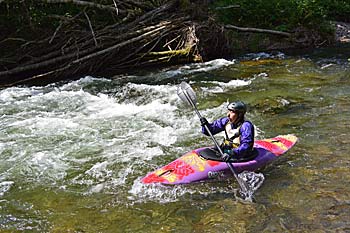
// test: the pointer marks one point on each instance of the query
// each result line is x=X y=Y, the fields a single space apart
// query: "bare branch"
x=12 y=39
x=92 y=31
x=116 y=7
x=53 y=36
x=258 y=30
x=101 y=52
x=85 y=3
x=227 y=7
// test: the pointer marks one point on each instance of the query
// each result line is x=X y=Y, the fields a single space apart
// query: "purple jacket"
x=246 y=135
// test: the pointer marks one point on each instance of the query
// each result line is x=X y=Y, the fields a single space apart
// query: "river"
x=72 y=153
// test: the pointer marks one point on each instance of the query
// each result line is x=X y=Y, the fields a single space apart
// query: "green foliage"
x=27 y=16
x=20 y=17
x=338 y=10
x=282 y=15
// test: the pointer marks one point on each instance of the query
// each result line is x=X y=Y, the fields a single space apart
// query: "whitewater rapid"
x=100 y=135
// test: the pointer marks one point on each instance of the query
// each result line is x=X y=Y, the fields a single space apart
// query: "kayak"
x=204 y=164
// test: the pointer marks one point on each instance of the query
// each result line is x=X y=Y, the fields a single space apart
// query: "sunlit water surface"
x=72 y=154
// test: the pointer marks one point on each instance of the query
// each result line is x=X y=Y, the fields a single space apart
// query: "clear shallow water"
x=72 y=154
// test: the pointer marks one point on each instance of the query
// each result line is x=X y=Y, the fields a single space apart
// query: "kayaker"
x=239 y=132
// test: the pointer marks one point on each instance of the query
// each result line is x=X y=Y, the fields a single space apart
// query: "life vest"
x=232 y=136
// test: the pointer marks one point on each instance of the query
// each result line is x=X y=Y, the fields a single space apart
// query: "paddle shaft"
x=241 y=183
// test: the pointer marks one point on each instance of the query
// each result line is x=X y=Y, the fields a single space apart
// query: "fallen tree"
x=110 y=37
x=142 y=35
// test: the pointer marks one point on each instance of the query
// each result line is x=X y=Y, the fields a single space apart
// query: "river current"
x=72 y=153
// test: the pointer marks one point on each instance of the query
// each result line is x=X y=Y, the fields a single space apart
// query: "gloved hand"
x=226 y=157
x=204 y=121
x=228 y=154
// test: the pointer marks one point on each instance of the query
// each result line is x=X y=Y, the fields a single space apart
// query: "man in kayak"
x=239 y=133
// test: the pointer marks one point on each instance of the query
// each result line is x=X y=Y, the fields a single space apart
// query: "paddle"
x=187 y=95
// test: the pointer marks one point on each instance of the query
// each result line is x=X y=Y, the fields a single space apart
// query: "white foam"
x=15 y=93
x=155 y=192
x=211 y=65
x=263 y=55
x=77 y=85
x=5 y=186
x=222 y=86
x=60 y=129
x=97 y=188
x=199 y=67
x=99 y=170
x=140 y=192
x=48 y=165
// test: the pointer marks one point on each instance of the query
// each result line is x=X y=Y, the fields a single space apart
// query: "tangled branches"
x=142 y=34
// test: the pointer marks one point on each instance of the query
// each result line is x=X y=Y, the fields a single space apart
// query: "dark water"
x=72 y=154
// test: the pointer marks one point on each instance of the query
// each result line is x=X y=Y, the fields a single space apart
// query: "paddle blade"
x=186 y=94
